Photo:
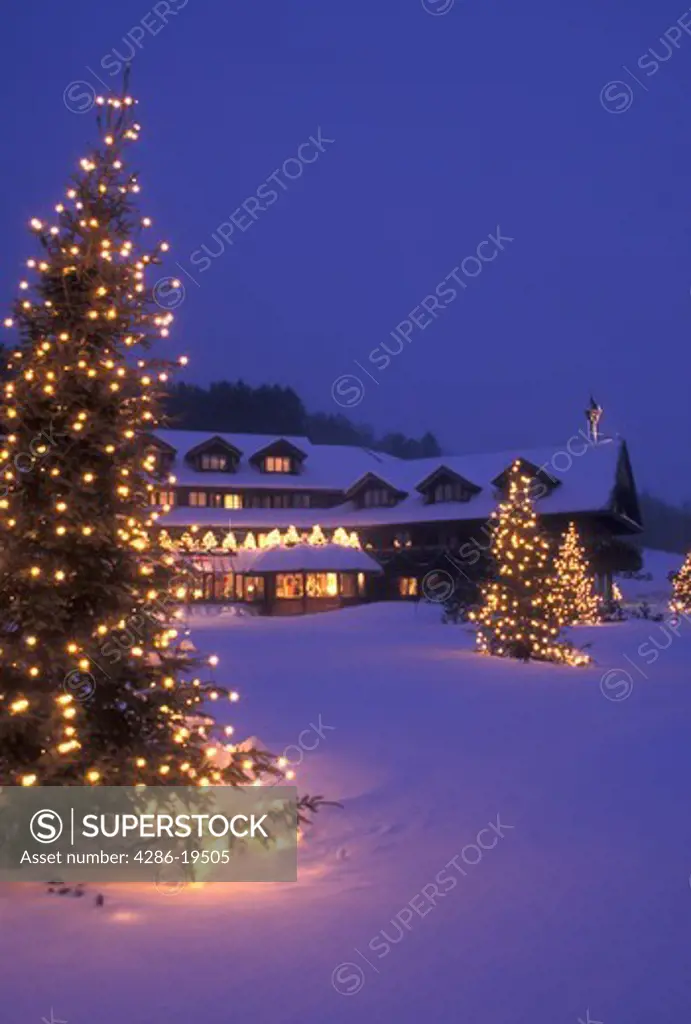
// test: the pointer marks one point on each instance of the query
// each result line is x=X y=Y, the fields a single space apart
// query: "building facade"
x=416 y=518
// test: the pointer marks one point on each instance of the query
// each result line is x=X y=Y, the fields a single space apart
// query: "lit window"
x=254 y=588
x=162 y=497
x=198 y=499
x=277 y=464
x=322 y=584
x=407 y=586
x=361 y=586
x=289 y=586
x=217 y=462
x=232 y=501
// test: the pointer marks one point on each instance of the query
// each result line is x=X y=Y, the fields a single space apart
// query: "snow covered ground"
x=658 y=565
x=514 y=844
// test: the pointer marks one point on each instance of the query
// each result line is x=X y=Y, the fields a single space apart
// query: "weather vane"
x=593 y=414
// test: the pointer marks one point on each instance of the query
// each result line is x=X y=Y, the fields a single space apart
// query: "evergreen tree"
x=85 y=580
x=517 y=617
x=681 y=588
x=235 y=407
x=574 y=598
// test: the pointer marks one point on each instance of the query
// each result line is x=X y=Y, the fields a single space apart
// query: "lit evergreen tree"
x=85 y=580
x=681 y=588
x=517 y=617
x=573 y=593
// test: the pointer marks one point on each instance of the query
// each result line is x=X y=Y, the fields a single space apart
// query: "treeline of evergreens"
x=235 y=407
x=665 y=527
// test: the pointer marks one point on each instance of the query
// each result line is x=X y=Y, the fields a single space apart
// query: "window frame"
x=254 y=589
x=324 y=581
x=278 y=464
x=298 y=586
x=408 y=586
x=212 y=462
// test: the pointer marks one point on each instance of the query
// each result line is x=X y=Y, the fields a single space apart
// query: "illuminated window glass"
x=407 y=586
x=277 y=464
x=289 y=586
x=254 y=588
x=322 y=584
x=198 y=499
x=162 y=497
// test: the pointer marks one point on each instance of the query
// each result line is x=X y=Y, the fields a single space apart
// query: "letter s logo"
x=46 y=826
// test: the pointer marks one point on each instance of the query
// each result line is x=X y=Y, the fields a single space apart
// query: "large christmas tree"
x=517 y=617
x=681 y=588
x=97 y=685
x=574 y=597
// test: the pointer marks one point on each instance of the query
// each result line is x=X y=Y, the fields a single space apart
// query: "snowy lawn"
x=574 y=902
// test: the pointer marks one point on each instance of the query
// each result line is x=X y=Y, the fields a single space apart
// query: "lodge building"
x=232 y=496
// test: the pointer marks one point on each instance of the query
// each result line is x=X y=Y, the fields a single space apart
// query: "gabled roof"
x=587 y=473
x=539 y=472
x=445 y=471
x=373 y=479
x=279 y=446
x=159 y=443
x=214 y=442
x=326 y=467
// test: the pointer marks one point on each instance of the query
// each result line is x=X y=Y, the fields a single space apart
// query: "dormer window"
x=217 y=462
x=450 y=491
x=371 y=491
x=163 y=455
x=279 y=456
x=541 y=483
x=215 y=455
x=278 y=464
x=445 y=484
x=375 y=497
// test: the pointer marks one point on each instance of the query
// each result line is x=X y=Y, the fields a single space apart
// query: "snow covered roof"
x=585 y=483
x=325 y=467
x=585 y=475
x=305 y=558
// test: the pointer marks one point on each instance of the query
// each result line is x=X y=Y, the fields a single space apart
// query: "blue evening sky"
x=445 y=126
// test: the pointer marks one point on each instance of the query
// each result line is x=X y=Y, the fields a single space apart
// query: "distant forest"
x=665 y=527
x=235 y=407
